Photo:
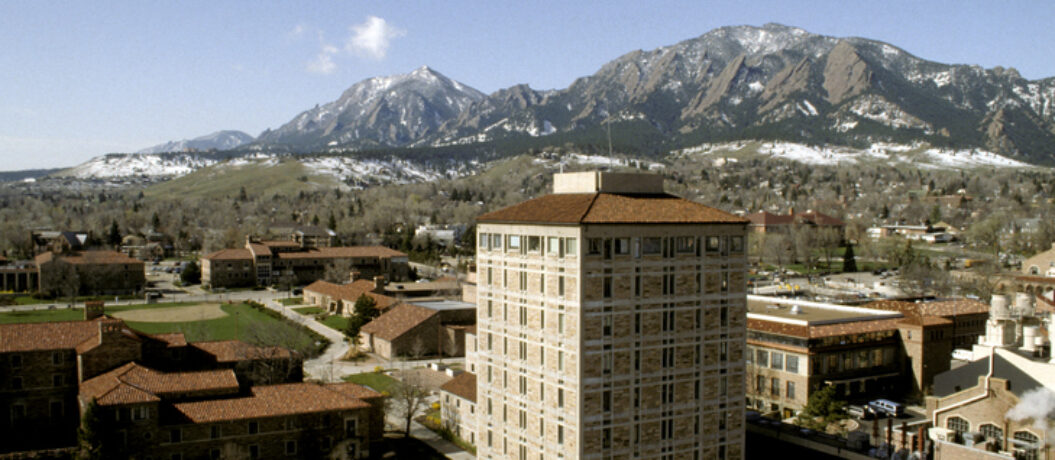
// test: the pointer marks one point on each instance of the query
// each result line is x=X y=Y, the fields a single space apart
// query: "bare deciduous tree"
x=409 y=398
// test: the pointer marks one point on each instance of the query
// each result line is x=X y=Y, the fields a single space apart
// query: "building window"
x=560 y=434
x=762 y=358
x=713 y=244
x=668 y=321
x=774 y=387
x=1026 y=445
x=291 y=447
x=791 y=364
x=736 y=244
x=215 y=432
x=606 y=291
x=606 y=401
x=790 y=392
x=668 y=357
x=571 y=247
x=686 y=244
x=56 y=358
x=651 y=246
x=776 y=361
x=254 y=451
x=496 y=241
x=514 y=242
x=594 y=246
x=606 y=325
x=57 y=380
x=622 y=246
x=606 y=438
x=958 y=424
x=534 y=244
x=140 y=413
x=16 y=361
x=254 y=427
x=560 y=397
x=553 y=246
x=483 y=239
x=992 y=432
x=606 y=359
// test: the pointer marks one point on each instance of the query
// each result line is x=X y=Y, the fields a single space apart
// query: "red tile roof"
x=62 y=335
x=230 y=254
x=462 y=385
x=342 y=253
x=271 y=401
x=171 y=339
x=351 y=292
x=934 y=308
x=823 y=330
x=398 y=321
x=88 y=258
x=610 y=208
x=133 y=383
x=228 y=351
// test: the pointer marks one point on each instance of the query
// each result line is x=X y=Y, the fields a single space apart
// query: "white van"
x=887 y=407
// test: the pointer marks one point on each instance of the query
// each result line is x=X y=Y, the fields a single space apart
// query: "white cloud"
x=371 y=38
x=297 y=31
x=323 y=62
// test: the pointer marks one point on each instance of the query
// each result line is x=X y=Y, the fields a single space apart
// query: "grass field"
x=242 y=322
x=309 y=311
x=336 y=322
x=292 y=301
x=375 y=380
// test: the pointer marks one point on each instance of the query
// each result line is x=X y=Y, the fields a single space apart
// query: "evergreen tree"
x=849 y=260
x=191 y=274
x=366 y=308
x=89 y=434
x=155 y=221
x=332 y=222
x=113 y=237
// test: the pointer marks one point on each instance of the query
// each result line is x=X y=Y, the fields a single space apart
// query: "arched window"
x=1026 y=444
x=992 y=432
x=1034 y=270
x=958 y=424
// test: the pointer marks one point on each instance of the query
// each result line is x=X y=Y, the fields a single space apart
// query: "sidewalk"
x=429 y=437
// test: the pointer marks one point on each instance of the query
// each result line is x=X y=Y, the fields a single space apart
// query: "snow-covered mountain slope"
x=383 y=111
x=919 y=155
x=220 y=140
x=137 y=165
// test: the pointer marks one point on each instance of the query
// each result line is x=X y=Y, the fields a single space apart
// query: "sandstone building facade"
x=610 y=324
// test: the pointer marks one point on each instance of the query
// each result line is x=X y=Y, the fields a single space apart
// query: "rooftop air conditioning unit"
x=941 y=434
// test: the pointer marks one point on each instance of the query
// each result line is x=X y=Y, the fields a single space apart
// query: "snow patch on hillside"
x=916 y=154
x=137 y=165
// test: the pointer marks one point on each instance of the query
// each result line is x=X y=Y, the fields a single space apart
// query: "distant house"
x=766 y=222
x=339 y=299
x=58 y=241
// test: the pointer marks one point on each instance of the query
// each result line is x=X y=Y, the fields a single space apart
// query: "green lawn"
x=336 y=322
x=242 y=322
x=309 y=311
x=375 y=380
x=61 y=302
x=292 y=301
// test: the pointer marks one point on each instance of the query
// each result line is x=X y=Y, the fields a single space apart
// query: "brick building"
x=610 y=324
x=263 y=263
x=767 y=222
x=205 y=415
x=795 y=348
x=972 y=405
x=89 y=272
x=458 y=405
x=45 y=367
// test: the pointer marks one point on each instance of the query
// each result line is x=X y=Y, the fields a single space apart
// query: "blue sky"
x=79 y=79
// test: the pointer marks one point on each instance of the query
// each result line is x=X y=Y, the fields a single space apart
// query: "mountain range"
x=220 y=140
x=772 y=83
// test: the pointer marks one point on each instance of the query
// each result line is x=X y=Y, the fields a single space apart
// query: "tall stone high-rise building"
x=610 y=324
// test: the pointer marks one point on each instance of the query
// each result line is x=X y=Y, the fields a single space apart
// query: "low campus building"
x=89 y=272
x=767 y=222
x=339 y=299
x=46 y=365
x=458 y=406
x=263 y=263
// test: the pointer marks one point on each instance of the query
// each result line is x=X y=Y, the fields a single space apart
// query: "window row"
x=773 y=360
x=529 y=244
x=774 y=387
x=637 y=247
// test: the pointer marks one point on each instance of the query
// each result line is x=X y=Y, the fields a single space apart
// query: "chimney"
x=379 y=282
x=93 y=309
x=352 y=276
x=791 y=211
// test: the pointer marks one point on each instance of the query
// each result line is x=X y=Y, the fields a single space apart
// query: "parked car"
x=886 y=407
x=859 y=412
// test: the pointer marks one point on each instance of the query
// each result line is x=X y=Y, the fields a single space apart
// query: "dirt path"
x=198 y=312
